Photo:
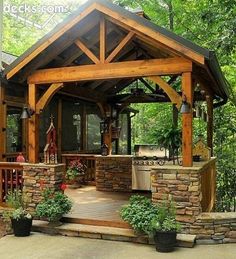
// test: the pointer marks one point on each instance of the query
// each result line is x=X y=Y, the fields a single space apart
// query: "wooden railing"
x=87 y=159
x=11 y=177
x=208 y=186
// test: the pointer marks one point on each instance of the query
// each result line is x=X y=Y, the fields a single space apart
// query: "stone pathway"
x=39 y=246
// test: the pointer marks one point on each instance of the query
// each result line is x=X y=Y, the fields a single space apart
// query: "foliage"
x=139 y=213
x=21 y=213
x=75 y=169
x=165 y=220
x=54 y=205
x=16 y=201
x=225 y=147
x=170 y=138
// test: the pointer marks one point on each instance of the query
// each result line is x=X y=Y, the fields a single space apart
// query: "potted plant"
x=75 y=171
x=170 y=139
x=20 y=217
x=165 y=227
x=53 y=206
x=139 y=213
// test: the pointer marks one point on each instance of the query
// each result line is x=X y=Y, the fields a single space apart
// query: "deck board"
x=89 y=204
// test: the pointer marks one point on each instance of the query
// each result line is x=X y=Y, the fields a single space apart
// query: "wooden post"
x=209 y=100
x=33 y=126
x=3 y=115
x=107 y=137
x=59 y=129
x=187 y=121
x=102 y=39
x=129 y=134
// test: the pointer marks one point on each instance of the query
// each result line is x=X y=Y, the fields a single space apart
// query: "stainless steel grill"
x=146 y=156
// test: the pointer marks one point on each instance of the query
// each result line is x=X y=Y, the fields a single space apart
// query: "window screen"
x=123 y=123
x=14 y=129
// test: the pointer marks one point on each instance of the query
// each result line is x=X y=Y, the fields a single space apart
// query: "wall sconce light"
x=104 y=126
x=185 y=106
x=27 y=113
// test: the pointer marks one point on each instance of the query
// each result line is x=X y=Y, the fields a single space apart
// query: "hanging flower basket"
x=115 y=132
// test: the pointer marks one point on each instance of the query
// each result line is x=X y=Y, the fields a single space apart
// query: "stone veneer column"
x=181 y=185
x=114 y=173
x=39 y=176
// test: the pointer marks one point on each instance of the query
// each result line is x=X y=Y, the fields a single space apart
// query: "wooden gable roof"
x=59 y=48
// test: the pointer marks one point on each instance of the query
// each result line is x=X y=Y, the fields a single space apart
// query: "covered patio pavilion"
x=99 y=50
x=82 y=66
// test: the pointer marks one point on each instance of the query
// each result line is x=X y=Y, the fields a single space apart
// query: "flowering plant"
x=75 y=169
x=16 y=202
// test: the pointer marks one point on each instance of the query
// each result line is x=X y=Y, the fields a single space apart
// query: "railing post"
x=33 y=133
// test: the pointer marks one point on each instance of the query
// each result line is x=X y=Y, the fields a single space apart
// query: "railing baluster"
x=6 y=186
x=10 y=178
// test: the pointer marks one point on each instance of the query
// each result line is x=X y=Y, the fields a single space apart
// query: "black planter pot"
x=165 y=241
x=21 y=227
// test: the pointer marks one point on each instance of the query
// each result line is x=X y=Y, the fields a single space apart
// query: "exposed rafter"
x=87 y=51
x=122 y=44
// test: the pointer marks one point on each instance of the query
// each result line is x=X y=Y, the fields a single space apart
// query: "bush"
x=165 y=220
x=139 y=213
x=54 y=205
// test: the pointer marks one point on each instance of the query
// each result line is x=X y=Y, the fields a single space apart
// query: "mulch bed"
x=3 y=231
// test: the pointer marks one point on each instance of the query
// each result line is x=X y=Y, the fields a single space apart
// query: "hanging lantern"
x=185 y=106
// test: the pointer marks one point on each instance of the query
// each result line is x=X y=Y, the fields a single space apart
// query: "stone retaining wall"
x=184 y=187
x=114 y=173
x=215 y=228
x=39 y=176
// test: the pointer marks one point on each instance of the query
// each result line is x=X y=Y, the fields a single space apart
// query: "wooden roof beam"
x=172 y=94
x=87 y=51
x=127 y=69
x=53 y=50
x=47 y=96
x=117 y=50
x=130 y=24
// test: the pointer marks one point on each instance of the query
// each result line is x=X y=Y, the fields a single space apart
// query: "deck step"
x=89 y=231
x=96 y=222
x=103 y=232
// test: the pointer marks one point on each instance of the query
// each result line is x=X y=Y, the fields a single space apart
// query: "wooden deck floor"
x=92 y=205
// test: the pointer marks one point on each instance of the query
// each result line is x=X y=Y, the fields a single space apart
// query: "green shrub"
x=139 y=213
x=165 y=219
x=54 y=205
